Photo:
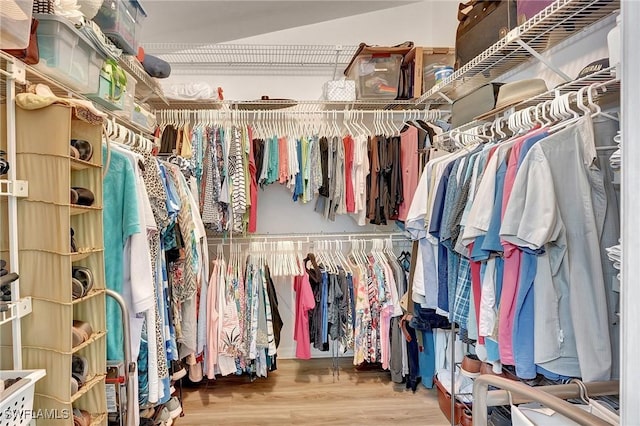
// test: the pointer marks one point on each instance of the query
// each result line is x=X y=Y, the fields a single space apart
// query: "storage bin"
x=143 y=118
x=15 y=23
x=121 y=20
x=444 y=402
x=67 y=55
x=17 y=406
x=129 y=98
x=104 y=95
x=433 y=60
x=377 y=76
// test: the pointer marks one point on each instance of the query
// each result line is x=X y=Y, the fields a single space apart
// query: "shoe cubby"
x=43 y=141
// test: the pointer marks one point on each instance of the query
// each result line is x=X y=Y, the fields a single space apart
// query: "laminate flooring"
x=308 y=393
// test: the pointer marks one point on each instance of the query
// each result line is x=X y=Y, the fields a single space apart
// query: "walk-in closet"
x=318 y=212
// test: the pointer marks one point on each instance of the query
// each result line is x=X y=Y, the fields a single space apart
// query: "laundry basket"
x=16 y=401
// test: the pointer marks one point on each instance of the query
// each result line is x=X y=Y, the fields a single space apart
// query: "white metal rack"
x=247 y=59
x=605 y=80
x=290 y=105
x=146 y=87
x=559 y=21
x=10 y=72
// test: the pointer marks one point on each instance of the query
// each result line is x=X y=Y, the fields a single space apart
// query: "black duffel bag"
x=481 y=24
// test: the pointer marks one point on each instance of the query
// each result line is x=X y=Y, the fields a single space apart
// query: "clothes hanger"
x=343 y=261
x=591 y=92
x=352 y=256
x=582 y=106
x=389 y=122
x=385 y=123
x=566 y=116
x=499 y=131
x=395 y=126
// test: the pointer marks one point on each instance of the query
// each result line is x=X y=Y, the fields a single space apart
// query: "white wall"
x=427 y=23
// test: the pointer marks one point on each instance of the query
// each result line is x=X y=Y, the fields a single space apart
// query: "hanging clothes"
x=497 y=222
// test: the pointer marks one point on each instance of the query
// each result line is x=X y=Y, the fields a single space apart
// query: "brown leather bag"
x=30 y=55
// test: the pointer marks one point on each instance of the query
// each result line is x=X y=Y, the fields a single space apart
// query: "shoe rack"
x=46 y=259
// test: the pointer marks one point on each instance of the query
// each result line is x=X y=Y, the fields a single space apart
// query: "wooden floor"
x=306 y=393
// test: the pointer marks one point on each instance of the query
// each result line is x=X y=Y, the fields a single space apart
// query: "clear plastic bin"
x=376 y=76
x=121 y=20
x=129 y=98
x=435 y=59
x=143 y=118
x=67 y=55
x=15 y=23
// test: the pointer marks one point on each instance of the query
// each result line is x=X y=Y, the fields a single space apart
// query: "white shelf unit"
x=11 y=189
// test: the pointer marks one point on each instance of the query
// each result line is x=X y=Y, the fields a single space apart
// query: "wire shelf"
x=292 y=105
x=559 y=21
x=252 y=58
x=146 y=87
x=605 y=79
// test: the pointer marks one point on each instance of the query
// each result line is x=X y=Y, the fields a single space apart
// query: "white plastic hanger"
x=591 y=91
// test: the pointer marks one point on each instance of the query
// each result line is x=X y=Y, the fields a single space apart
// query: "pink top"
x=283 y=160
x=511 y=277
x=348 y=180
x=410 y=164
x=304 y=302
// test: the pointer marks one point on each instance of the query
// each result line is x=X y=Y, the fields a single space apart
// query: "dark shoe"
x=74 y=153
x=79 y=369
x=84 y=148
x=73 y=198
x=85 y=196
x=85 y=277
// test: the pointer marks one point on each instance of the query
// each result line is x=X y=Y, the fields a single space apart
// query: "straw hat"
x=514 y=93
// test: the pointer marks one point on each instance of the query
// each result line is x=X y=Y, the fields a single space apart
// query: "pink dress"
x=304 y=303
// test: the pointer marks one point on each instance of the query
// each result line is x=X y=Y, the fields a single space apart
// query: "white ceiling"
x=207 y=22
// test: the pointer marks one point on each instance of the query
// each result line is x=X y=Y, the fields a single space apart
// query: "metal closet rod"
x=268 y=112
x=550 y=396
x=399 y=236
